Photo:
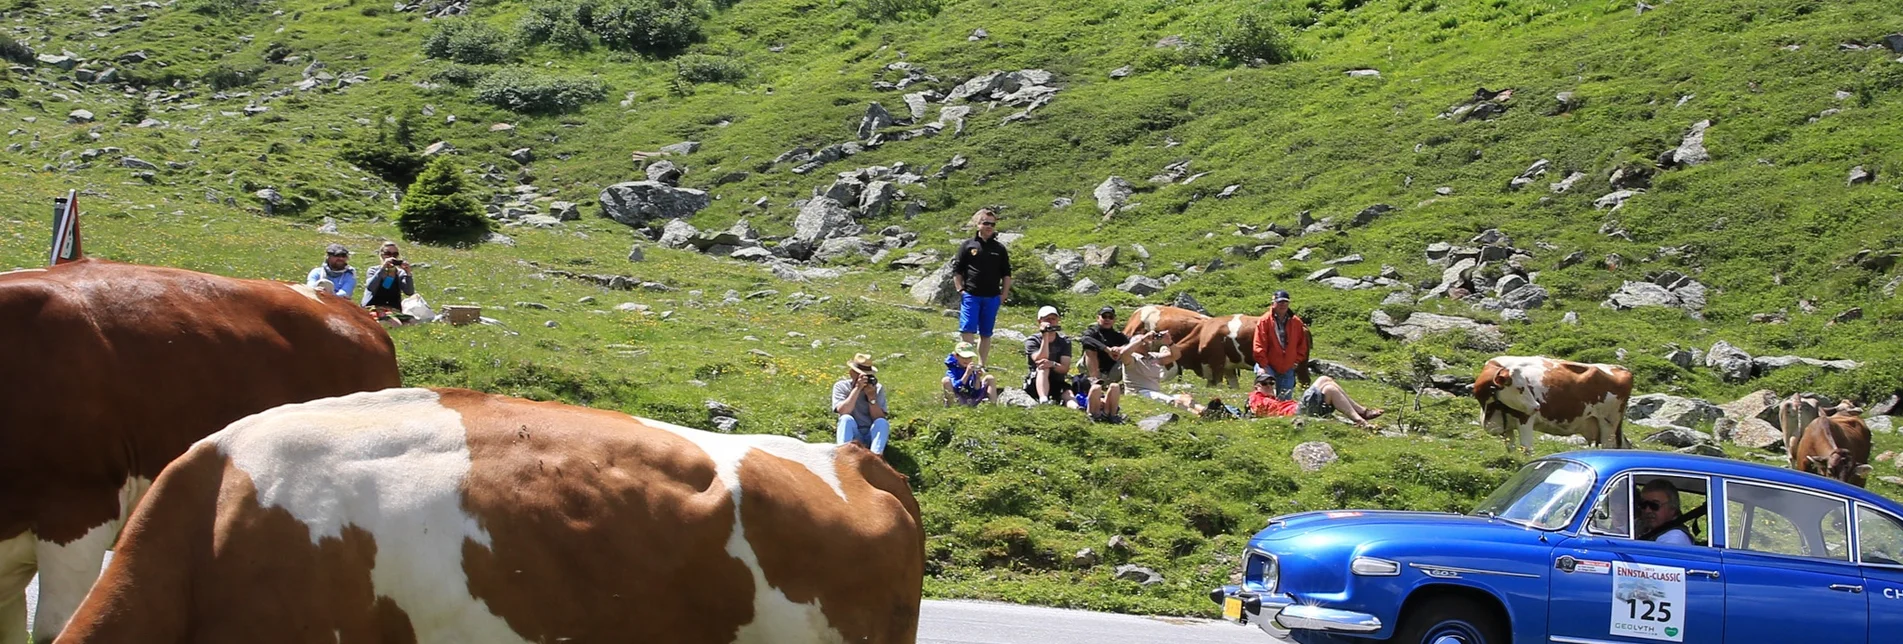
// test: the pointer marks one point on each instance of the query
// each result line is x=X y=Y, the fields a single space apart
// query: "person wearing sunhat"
x=966 y=383
x=859 y=400
x=335 y=275
x=1281 y=344
x=1048 y=354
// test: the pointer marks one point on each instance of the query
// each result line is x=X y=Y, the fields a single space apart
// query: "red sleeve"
x=1264 y=330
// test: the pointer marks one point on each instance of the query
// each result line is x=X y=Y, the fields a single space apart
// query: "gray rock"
x=1673 y=410
x=1184 y=300
x=752 y=254
x=539 y=221
x=665 y=172
x=1754 y=433
x=1880 y=424
x=1337 y=370
x=1508 y=283
x=565 y=210
x=1566 y=184
x=1121 y=72
x=677 y=234
x=1156 y=422
x=682 y=149
x=876 y=118
x=877 y=198
x=1015 y=397
x=1084 y=558
x=920 y=104
x=1677 y=437
x=1139 y=574
x=1140 y=285
x=1312 y=456
x=136 y=163
x=1682 y=358
x=1764 y=365
x=1228 y=191
x=1364 y=73
x=1085 y=287
x=1112 y=193
x=936 y=288
x=1353 y=258
x=1099 y=257
x=1691 y=150
x=1481 y=335
x=838 y=248
x=499 y=239
x=635 y=203
x=636 y=254
x=1065 y=263
x=1528 y=297
x=1702 y=449
x=1614 y=200
x=1345 y=283
x=1860 y=175
x=1732 y=364
x=821 y=219
x=1370 y=213
x=1760 y=404
x=726 y=424
x=1323 y=274
x=1633 y=295
x=79 y=116
x=1061 y=203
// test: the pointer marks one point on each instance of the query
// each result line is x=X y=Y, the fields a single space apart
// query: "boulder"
x=1760 y=404
x=1112 y=193
x=1754 y=433
x=936 y=288
x=838 y=248
x=665 y=172
x=1337 y=370
x=1566 y=184
x=1860 y=175
x=1156 y=422
x=1065 y=263
x=1100 y=257
x=1084 y=558
x=1370 y=213
x=1677 y=437
x=1481 y=335
x=1691 y=150
x=1086 y=287
x=1015 y=397
x=1614 y=199
x=1140 y=285
x=1880 y=424
x=1323 y=274
x=876 y=118
x=565 y=210
x=1184 y=300
x=1732 y=364
x=1633 y=295
x=1139 y=574
x=752 y=254
x=677 y=234
x=1530 y=296
x=821 y=219
x=1312 y=456
x=877 y=198
x=79 y=116
x=1673 y=410
x=1763 y=365
x=1702 y=449
x=681 y=149
x=636 y=203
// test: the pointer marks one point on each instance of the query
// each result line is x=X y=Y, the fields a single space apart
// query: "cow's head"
x=1493 y=378
x=1837 y=465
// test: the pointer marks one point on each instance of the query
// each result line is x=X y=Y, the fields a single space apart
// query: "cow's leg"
x=1526 y=436
x=67 y=572
x=16 y=570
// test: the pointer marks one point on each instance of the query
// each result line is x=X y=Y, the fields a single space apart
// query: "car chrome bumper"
x=1278 y=615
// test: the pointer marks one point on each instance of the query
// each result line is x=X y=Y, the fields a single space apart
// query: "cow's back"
x=114 y=369
x=453 y=516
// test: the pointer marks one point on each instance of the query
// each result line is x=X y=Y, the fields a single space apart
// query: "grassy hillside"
x=1770 y=224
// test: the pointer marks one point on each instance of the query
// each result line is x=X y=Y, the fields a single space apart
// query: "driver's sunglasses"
x=1650 y=505
x=987 y=223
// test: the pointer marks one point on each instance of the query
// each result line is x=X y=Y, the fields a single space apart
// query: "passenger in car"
x=1658 y=505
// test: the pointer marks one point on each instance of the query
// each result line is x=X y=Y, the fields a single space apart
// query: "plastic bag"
x=415 y=307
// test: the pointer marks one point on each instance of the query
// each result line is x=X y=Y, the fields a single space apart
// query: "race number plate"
x=1648 y=601
x=1232 y=609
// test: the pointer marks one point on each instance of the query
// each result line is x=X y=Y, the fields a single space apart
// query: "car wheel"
x=1449 y=620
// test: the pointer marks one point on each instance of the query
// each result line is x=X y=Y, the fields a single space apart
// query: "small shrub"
x=15 y=51
x=887 y=10
x=459 y=75
x=467 y=41
x=384 y=157
x=223 y=77
x=221 y=7
x=436 y=211
x=139 y=110
x=653 y=27
x=563 y=25
x=1250 y=38
x=701 y=68
x=523 y=90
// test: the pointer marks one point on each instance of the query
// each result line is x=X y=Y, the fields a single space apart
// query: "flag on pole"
x=65 y=229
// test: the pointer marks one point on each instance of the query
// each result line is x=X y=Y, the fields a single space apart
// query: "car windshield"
x=1543 y=495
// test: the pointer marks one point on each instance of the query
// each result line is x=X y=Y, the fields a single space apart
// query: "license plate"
x=1232 y=609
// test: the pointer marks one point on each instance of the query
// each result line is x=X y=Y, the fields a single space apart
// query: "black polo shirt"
x=983 y=263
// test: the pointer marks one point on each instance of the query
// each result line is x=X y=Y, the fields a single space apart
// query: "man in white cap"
x=1049 y=355
x=859 y=400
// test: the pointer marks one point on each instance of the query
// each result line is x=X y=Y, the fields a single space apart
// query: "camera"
x=1049 y=328
x=872 y=379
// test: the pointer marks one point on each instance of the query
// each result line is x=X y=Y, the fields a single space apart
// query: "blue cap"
x=1281 y=296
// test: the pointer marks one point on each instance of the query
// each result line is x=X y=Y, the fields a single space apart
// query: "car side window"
x=1612 y=515
x=1774 y=520
x=1879 y=538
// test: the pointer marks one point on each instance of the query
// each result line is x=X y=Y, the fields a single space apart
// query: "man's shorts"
x=978 y=314
x=1155 y=395
x=1314 y=403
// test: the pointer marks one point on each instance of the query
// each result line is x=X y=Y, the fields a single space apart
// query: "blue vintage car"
x=1591 y=547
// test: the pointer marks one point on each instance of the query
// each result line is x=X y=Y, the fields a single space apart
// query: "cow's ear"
x=1502 y=378
x=1863 y=470
x=1818 y=461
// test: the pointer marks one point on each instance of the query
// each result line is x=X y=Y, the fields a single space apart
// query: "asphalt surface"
x=972 y=622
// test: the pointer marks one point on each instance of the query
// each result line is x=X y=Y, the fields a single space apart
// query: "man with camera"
x=1144 y=360
x=965 y=382
x=859 y=400
x=388 y=282
x=1049 y=355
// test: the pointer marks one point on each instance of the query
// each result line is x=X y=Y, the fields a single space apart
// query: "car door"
x=1608 y=587
x=1880 y=556
x=1787 y=567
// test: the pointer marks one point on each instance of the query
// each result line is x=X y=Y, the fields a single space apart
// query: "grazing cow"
x=1795 y=413
x=1555 y=397
x=1184 y=325
x=1224 y=346
x=112 y=370
x=447 y=515
x=1836 y=445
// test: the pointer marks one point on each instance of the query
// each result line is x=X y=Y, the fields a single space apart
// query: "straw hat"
x=862 y=363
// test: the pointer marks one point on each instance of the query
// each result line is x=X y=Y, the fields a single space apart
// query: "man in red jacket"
x=1281 y=344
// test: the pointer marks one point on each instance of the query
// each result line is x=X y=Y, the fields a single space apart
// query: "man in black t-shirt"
x=1049 y=356
x=1103 y=366
x=981 y=271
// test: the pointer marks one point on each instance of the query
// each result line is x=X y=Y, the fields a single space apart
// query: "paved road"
x=970 y=622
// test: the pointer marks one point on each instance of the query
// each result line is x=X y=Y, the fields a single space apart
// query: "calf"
x=1836 y=446
x=447 y=515
x=1557 y=397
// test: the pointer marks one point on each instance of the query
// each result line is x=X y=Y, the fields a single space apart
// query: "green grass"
x=1009 y=496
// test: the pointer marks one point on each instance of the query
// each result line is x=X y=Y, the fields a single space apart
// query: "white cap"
x=1048 y=310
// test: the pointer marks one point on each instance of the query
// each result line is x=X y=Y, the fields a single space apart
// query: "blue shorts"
x=978 y=314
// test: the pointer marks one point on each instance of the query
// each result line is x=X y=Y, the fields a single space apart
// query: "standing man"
x=981 y=271
x=335 y=275
x=1049 y=356
x=859 y=400
x=1281 y=344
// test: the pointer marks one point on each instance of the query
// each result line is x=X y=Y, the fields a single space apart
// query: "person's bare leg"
x=950 y=394
x=1093 y=401
x=984 y=349
x=1043 y=384
x=1342 y=403
x=1113 y=400
x=991 y=389
x=1186 y=402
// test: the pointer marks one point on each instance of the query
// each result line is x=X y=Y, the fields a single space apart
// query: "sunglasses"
x=987 y=223
x=1650 y=506
x=338 y=255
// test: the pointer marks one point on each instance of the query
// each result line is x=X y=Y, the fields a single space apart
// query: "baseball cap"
x=1108 y=311
x=1264 y=378
x=1048 y=310
x=965 y=350
x=1281 y=296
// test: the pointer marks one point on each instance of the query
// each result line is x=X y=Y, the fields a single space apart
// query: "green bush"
x=562 y=24
x=701 y=68
x=436 y=211
x=1249 y=38
x=467 y=41
x=653 y=27
x=221 y=7
x=391 y=155
x=886 y=10
x=223 y=77
x=15 y=51
x=459 y=75
x=523 y=90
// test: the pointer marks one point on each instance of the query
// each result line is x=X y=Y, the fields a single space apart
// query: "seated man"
x=1102 y=380
x=1144 y=359
x=1262 y=401
x=1658 y=504
x=1048 y=354
x=1325 y=397
x=335 y=275
x=964 y=382
x=859 y=400
x=385 y=286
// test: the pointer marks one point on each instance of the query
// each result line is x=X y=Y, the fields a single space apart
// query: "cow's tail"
x=145 y=594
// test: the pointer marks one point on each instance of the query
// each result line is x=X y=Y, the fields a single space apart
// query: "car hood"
x=1389 y=523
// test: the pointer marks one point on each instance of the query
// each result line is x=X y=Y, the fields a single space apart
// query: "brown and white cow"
x=1224 y=346
x=1556 y=397
x=1184 y=325
x=112 y=370
x=447 y=515
x=1836 y=445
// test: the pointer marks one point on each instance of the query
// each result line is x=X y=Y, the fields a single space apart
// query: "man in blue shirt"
x=335 y=275
x=1658 y=504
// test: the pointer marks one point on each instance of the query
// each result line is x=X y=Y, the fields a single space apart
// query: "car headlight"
x=1264 y=568
x=1372 y=567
